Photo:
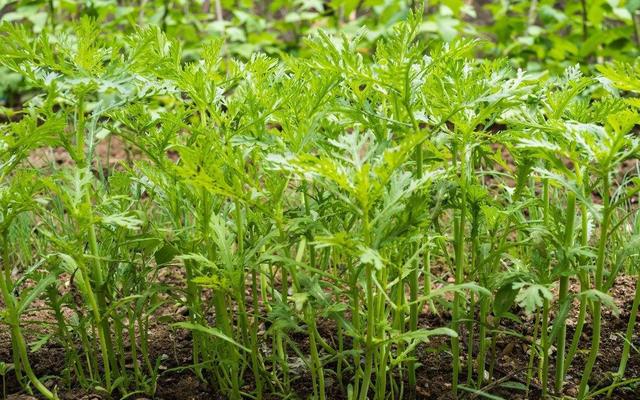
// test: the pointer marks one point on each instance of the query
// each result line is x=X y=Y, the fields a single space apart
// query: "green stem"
x=475 y=246
x=16 y=333
x=532 y=352
x=317 y=372
x=193 y=304
x=482 y=339
x=584 y=285
x=494 y=343
x=240 y=292
x=371 y=304
x=88 y=349
x=355 y=321
x=133 y=346
x=628 y=338
x=597 y=307
x=577 y=334
x=369 y=349
x=97 y=298
x=544 y=333
x=340 y=357
x=544 y=341
x=563 y=295
x=254 y=335
x=459 y=237
x=585 y=32
x=222 y=321
x=413 y=288
x=427 y=279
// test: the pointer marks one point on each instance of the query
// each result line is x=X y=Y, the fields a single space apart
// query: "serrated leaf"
x=531 y=296
x=603 y=298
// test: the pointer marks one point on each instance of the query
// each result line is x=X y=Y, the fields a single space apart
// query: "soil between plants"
x=434 y=373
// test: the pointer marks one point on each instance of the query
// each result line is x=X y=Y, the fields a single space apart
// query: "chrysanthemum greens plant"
x=314 y=209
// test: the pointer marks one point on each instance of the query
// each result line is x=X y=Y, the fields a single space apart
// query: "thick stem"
x=133 y=346
x=597 y=307
x=459 y=237
x=371 y=314
x=254 y=335
x=240 y=292
x=369 y=349
x=544 y=334
x=222 y=321
x=533 y=12
x=584 y=285
x=340 y=356
x=413 y=287
x=427 y=280
x=101 y=304
x=494 y=342
x=475 y=246
x=219 y=15
x=193 y=306
x=470 y=337
x=577 y=334
x=16 y=333
x=564 y=288
x=355 y=321
x=97 y=298
x=482 y=339
x=636 y=34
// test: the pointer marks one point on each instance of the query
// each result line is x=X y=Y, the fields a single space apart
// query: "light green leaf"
x=209 y=331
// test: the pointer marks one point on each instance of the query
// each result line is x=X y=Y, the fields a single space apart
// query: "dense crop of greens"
x=340 y=188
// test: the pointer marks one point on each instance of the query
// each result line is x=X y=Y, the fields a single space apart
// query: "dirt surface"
x=173 y=347
x=108 y=152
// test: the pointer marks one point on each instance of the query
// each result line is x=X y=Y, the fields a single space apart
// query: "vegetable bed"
x=407 y=222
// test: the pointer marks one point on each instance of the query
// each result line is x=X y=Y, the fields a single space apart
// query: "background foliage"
x=536 y=35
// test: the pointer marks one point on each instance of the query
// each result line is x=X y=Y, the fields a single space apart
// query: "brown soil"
x=108 y=152
x=434 y=373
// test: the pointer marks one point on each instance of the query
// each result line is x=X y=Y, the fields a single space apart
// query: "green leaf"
x=209 y=331
x=42 y=340
x=33 y=294
x=420 y=335
x=300 y=299
x=531 y=296
x=561 y=318
x=514 y=385
x=504 y=299
x=372 y=257
x=122 y=220
x=480 y=393
x=603 y=298
x=165 y=254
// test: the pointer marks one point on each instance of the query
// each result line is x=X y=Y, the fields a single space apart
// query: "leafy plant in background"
x=540 y=34
x=537 y=35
